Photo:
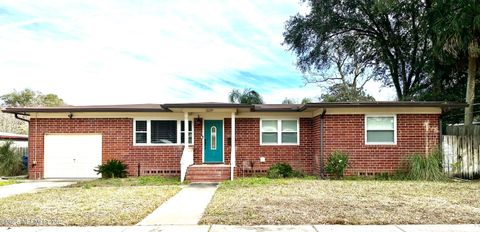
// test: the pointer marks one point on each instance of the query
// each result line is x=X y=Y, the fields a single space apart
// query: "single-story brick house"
x=227 y=140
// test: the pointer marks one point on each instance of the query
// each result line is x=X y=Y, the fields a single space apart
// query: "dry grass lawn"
x=255 y=201
x=84 y=206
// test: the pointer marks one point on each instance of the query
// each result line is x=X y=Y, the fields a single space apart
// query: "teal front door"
x=213 y=141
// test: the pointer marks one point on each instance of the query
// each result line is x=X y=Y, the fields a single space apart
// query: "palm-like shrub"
x=10 y=160
x=112 y=169
x=247 y=96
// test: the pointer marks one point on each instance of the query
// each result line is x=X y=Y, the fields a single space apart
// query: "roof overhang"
x=234 y=107
x=445 y=106
x=207 y=107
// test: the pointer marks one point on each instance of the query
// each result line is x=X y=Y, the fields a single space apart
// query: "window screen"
x=141 y=131
x=269 y=131
x=182 y=134
x=163 y=132
x=289 y=131
x=380 y=129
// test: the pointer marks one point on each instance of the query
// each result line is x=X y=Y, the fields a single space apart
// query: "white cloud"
x=102 y=52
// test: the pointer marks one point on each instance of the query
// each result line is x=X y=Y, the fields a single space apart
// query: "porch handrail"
x=185 y=162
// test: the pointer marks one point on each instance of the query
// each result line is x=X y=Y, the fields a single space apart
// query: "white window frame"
x=149 y=141
x=279 y=132
x=394 y=129
x=179 y=131
x=135 y=131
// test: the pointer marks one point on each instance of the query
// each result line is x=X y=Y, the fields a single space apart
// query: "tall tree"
x=304 y=100
x=457 y=35
x=289 y=101
x=28 y=97
x=391 y=35
x=247 y=96
x=24 y=98
x=346 y=76
x=343 y=93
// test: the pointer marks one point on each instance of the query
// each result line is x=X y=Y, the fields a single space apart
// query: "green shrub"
x=425 y=167
x=11 y=163
x=112 y=169
x=297 y=174
x=280 y=170
x=337 y=162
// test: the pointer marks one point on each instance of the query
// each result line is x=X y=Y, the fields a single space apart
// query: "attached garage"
x=72 y=155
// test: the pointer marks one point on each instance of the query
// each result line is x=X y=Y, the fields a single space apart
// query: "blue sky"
x=118 y=52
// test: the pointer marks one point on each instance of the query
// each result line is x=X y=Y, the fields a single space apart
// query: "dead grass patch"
x=299 y=201
x=82 y=206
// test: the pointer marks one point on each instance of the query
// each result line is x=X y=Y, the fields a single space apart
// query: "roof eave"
x=187 y=105
x=62 y=110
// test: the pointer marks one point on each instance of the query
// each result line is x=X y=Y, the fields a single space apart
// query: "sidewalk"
x=266 y=228
x=185 y=208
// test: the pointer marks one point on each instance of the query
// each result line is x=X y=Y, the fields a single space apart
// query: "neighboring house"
x=227 y=140
x=19 y=140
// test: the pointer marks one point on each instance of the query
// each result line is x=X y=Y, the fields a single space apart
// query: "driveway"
x=32 y=186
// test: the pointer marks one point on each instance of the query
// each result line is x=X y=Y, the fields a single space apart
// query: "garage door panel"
x=72 y=155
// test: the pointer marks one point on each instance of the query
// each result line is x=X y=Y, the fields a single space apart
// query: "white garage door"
x=72 y=156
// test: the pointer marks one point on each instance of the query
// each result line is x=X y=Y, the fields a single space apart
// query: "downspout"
x=19 y=118
x=233 y=158
x=322 y=119
x=34 y=162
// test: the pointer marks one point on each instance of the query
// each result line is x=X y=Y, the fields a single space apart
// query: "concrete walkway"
x=185 y=208
x=266 y=228
x=31 y=186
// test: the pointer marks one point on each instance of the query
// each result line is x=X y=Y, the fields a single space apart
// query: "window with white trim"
x=161 y=132
x=380 y=129
x=182 y=132
x=141 y=131
x=279 y=131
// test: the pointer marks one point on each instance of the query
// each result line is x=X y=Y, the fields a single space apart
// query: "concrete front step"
x=208 y=173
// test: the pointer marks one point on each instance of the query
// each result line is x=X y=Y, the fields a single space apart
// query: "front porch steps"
x=208 y=173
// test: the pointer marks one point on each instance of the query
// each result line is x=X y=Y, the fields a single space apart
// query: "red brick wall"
x=346 y=133
x=198 y=141
x=249 y=149
x=117 y=143
x=341 y=132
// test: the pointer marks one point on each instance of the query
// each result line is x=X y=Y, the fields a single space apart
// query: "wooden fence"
x=461 y=151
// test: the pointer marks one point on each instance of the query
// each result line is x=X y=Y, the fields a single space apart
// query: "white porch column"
x=187 y=157
x=232 y=150
x=185 y=132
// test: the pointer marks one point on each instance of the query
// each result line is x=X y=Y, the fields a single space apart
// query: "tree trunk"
x=472 y=70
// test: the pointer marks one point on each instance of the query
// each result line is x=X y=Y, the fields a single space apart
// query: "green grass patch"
x=7 y=182
x=131 y=181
